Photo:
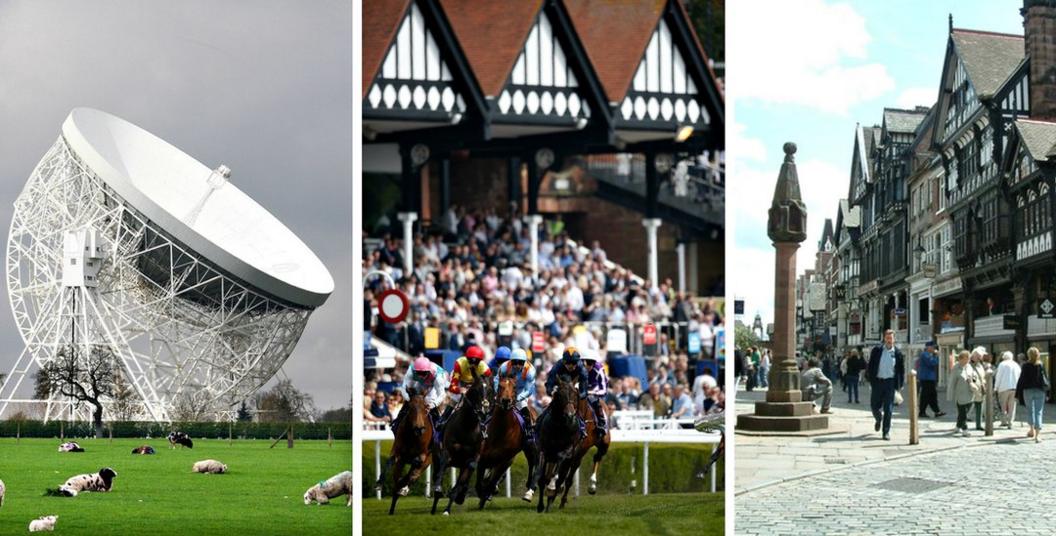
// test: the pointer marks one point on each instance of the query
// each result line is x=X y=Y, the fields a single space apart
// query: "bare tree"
x=284 y=403
x=190 y=408
x=125 y=403
x=88 y=379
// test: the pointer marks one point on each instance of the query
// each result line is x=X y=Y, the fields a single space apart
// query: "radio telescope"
x=120 y=240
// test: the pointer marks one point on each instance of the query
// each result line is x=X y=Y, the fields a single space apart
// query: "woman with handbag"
x=962 y=389
x=1031 y=389
x=977 y=358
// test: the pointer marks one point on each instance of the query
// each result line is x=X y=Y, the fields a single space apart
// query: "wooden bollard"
x=329 y=437
x=289 y=437
x=914 y=430
x=989 y=403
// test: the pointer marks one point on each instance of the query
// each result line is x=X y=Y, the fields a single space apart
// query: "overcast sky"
x=262 y=86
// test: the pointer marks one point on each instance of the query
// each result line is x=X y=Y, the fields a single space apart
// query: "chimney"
x=1039 y=29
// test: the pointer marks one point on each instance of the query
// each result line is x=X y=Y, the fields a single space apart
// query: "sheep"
x=101 y=481
x=143 y=449
x=70 y=447
x=2 y=490
x=43 y=524
x=180 y=438
x=210 y=466
x=337 y=485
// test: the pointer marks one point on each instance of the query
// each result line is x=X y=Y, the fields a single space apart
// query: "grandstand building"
x=601 y=118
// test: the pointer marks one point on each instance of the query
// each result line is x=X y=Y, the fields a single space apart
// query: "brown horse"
x=505 y=440
x=461 y=444
x=558 y=437
x=568 y=471
x=412 y=446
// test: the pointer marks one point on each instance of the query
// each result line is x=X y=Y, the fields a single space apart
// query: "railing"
x=645 y=437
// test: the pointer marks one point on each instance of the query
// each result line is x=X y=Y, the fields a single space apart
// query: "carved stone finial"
x=787 y=220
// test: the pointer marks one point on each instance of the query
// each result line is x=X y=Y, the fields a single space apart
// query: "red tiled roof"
x=381 y=19
x=615 y=34
x=492 y=35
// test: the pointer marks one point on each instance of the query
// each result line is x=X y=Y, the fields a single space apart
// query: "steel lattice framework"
x=186 y=333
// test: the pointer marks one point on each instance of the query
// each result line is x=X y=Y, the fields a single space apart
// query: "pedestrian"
x=978 y=353
x=815 y=385
x=853 y=375
x=961 y=388
x=928 y=374
x=764 y=369
x=1031 y=389
x=1005 y=382
x=843 y=371
x=757 y=360
x=886 y=373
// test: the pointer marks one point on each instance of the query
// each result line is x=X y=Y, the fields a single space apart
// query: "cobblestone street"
x=852 y=482
x=940 y=493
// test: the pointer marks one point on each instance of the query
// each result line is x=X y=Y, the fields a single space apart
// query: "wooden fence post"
x=914 y=430
x=289 y=437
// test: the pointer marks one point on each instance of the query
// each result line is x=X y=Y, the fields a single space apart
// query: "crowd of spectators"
x=474 y=272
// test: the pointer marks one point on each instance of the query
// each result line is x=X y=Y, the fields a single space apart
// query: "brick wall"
x=1039 y=25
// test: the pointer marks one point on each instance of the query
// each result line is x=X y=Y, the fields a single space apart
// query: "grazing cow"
x=43 y=524
x=101 y=481
x=180 y=438
x=70 y=446
x=143 y=449
x=210 y=466
x=2 y=490
x=338 y=485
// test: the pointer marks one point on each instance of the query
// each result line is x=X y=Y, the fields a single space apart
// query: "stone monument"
x=784 y=409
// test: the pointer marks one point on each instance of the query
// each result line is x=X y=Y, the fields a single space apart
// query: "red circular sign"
x=649 y=334
x=393 y=306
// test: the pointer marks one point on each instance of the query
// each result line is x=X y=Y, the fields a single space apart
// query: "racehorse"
x=412 y=445
x=461 y=443
x=569 y=468
x=558 y=435
x=505 y=439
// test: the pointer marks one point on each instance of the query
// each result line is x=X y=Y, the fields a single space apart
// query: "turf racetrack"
x=158 y=495
x=699 y=514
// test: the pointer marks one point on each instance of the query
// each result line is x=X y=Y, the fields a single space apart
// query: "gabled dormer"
x=860 y=172
x=655 y=74
x=1031 y=148
x=531 y=66
x=977 y=64
x=414 y=73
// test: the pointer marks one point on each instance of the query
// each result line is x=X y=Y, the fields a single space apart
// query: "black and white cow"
x=70 y=446
x=101 y=481
x=143 y=449
x=180 y=438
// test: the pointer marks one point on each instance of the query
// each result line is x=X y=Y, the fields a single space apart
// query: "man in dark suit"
x=885 y=374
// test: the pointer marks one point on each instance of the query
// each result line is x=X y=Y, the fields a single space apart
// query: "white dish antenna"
x=198 y=291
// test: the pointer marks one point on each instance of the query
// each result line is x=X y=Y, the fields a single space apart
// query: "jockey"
x=523 y=372
x=462 y=376
x=569 y=369
x=599 y=387
x=430 y=380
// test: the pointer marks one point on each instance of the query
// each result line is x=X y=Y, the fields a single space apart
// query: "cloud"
x=811 y=53
x=743 y=148
x=916 y=96
x=822 y=185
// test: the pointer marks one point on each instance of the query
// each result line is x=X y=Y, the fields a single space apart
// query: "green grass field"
x=698 y=514
x=158 y=495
